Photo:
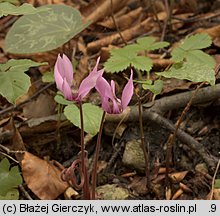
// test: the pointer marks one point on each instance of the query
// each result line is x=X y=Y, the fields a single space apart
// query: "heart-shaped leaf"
x=44 y=31
x=9 y=178
x=13 y=81
x=92 y=116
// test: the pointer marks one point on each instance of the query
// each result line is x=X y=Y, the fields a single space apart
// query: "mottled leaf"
x=7 y=8
x=44 y=31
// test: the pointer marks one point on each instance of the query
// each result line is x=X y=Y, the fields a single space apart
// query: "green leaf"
x=48 y=77
x=142 y=63
x=13 y=81
x=120 y=60
x=200 y=57
x=191 y=71
x=9 y=178
x=61 y=100
x=149 y=43
x=189 y=45
x=7 y=8
x=197 y=41
x=155 y=88
x=92 y=116
x=44 y=31
x=123 y=58
x=13 y=194
x=178 y=54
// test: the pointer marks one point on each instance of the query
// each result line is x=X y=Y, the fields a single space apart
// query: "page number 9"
x=213 y=208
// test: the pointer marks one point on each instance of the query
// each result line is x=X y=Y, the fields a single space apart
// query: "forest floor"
x=50 y=142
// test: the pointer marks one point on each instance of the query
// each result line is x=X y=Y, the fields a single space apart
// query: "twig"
x=197 y=18
x=155 y=14
x=8 y=151
x=114 y=156
x=168 y=18
x=213 y=180
x=6 y=155
x=172 y=137
x=185 y=138
x=116 y=25
x=25 y=193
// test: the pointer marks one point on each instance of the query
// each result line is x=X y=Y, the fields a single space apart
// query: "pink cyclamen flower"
x=63 y=75
x=110 y=103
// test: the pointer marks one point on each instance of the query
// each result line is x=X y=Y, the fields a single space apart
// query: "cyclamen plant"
x=63 y=74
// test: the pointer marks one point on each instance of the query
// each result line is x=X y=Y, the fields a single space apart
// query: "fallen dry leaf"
x=139 y=184
x=178 y=193
x=123 y=22
x=16 y=142
x=99 y=9
x=128 y=34
x=177 y=176
x=44 y=105
x=42 y=177
x=216 y=194
x=70 y=194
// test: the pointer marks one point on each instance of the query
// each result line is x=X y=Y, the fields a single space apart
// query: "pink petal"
x=103 y=87
x=106 y=105
x=63 y=69
x=113 y=87
x=127 y=92
x=116 y=109
x=67 y=69
x=66 y=89
x=57 y=76
x=90 y=81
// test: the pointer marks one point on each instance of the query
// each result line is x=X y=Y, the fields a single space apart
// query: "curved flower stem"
x=86 y=192
x=94 y=172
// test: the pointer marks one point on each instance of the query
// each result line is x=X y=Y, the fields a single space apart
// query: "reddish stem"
x=94 y=172
x=86 y=192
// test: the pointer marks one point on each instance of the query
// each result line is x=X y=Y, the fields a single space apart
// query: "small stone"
x=133 y=156
x=112 y=192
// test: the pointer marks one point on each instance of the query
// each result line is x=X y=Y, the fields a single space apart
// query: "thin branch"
x=172 y=137
x=213 y=180
x=25 y=193
x=116 y=25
